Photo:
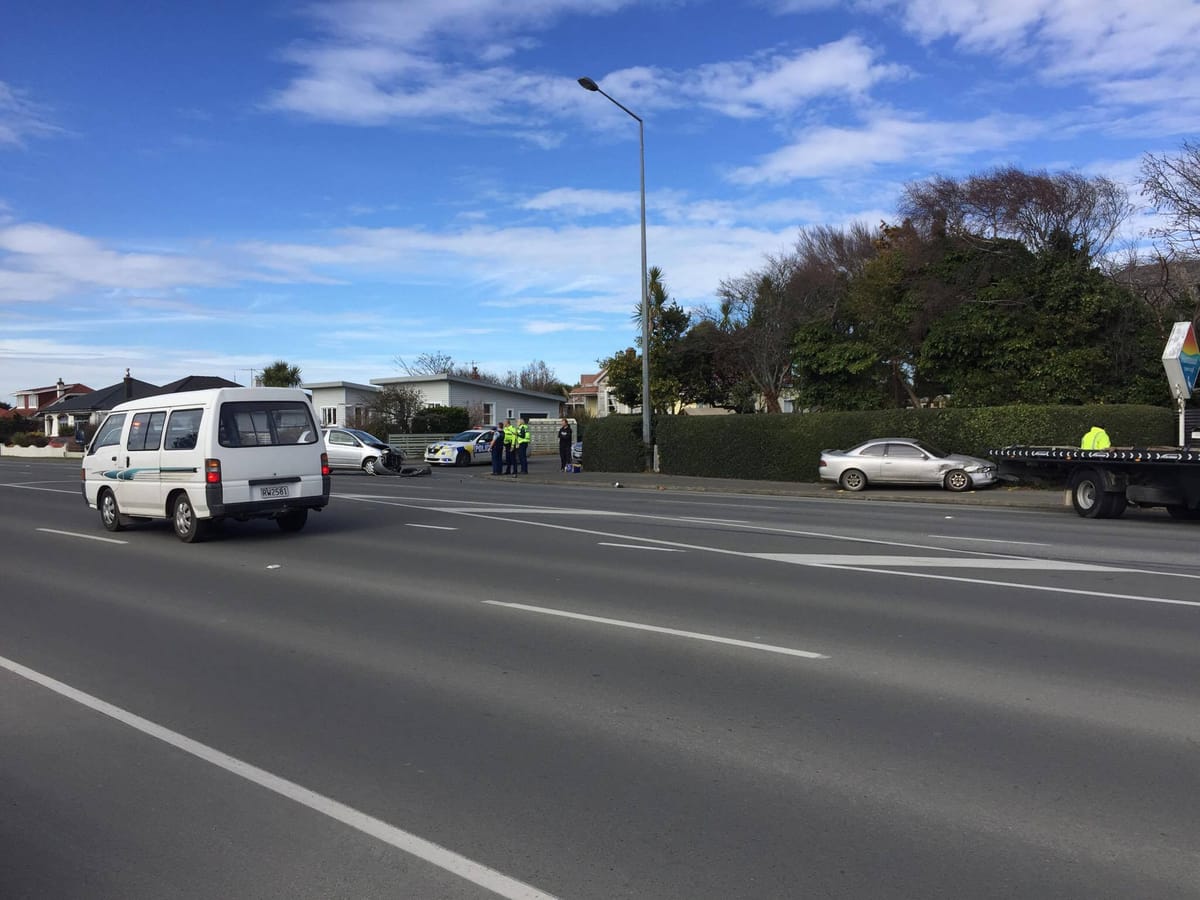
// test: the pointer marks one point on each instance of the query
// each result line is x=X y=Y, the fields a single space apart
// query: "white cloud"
x=20 y=118
x=885 y=140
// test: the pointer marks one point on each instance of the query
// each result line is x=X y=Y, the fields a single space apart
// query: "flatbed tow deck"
x=1103 y=482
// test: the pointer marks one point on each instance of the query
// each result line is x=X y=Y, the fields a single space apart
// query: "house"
x=80 y=410
x=594 y=398
x=30 y=400
x=486 y=402
x=342 y=402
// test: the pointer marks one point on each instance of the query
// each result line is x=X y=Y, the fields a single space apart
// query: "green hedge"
x=788 y=447
x=614 y=444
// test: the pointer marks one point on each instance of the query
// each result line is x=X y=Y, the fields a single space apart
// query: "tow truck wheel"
x=1091 y=500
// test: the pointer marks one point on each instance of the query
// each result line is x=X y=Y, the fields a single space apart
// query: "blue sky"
x=203 y=188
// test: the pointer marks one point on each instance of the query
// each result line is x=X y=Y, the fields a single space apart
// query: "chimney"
x=60 y=389
x=475 y=372
x=128 y=386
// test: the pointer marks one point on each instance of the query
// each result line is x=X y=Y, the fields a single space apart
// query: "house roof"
x=476 y=382
x=196 y=383
x=102 y=399
x=315 y=385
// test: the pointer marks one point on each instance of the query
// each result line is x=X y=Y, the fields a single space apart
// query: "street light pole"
x=589 y=84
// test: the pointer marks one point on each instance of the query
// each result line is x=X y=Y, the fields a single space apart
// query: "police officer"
x=510 y=448
x=523 y=439
x=497 y=448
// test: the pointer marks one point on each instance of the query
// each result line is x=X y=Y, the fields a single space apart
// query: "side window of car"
x=183 y=428
x=109 y=434
x=145 y=431
x=340 y=437
x=873 y=450
x=904 y=451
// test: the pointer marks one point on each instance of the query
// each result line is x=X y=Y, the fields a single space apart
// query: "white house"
x=487 y=403
x=342 y=402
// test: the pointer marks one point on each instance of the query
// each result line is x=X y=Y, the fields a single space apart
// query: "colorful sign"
x=1181 y=360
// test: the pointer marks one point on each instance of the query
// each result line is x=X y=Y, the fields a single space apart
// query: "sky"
x=205 y=188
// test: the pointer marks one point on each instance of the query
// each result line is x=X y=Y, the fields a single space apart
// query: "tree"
x=668 y=323
x=394 y=407
x=1035 y=208
x=1172 y=183
x=537 y=376
x=280 y=374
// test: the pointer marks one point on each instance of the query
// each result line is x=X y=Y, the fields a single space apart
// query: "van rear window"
x=265 y=423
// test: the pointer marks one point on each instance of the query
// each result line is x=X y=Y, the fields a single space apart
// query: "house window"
x=489 y=414
x=328 y=415
x=510 y=415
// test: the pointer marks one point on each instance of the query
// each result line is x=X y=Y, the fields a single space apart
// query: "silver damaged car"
x=904 y=461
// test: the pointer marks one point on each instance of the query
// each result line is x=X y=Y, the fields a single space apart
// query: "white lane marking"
x=931 y=562
x=432 y=527
x=705 y=520
x=86 y=537
x=638 y=626
x=955 y=537
x=477 y=873
x=640 y=547
x=30 y=487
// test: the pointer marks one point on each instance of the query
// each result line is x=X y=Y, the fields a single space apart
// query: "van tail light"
x=324 y=463
x=212 y=471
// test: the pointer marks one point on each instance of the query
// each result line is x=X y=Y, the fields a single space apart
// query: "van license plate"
x=275 y=490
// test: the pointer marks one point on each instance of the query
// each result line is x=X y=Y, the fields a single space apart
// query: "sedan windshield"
x=366 y=438
x=466 y=436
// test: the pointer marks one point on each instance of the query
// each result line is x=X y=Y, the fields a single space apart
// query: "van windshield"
x=266 y=423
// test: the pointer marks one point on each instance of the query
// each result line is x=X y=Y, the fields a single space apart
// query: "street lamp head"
x=588 y=84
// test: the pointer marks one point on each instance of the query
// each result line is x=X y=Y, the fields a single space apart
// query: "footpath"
x=544 y=472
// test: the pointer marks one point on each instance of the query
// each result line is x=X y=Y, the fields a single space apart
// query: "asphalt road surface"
x=463 y=686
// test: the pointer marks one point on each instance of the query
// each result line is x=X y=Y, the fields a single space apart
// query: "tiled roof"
x=103 y=399
x=196 y=383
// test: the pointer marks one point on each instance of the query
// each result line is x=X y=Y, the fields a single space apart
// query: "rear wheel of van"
x=188 y=528
x=292 y=520
x=110 y=514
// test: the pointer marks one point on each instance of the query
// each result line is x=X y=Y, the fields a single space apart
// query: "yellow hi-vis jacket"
x=1096 y=439
x=523 y=434
x=510 y=436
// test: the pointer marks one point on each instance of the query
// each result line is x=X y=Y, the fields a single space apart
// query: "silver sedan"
x=904 y=461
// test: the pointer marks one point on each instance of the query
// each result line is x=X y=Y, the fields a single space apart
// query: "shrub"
x=614 y=444
x=39 y=440
x=441 y=420
x=21 y=438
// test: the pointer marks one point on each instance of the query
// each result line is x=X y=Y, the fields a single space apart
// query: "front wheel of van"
x=110 y=514
x=188 y=528
x=292 y=520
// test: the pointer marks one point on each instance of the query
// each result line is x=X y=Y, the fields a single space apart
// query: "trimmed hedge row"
x=788 y=447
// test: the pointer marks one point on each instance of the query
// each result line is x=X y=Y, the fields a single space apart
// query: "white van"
x=198 y=457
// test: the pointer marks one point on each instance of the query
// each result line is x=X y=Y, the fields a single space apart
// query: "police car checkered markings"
x=933 y=562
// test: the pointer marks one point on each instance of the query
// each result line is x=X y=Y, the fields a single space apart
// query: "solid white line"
x=87 y=537
x=433 y=527
x=30 y=487
x=932 y=562
x=640 y=547
x=637 y=626
x=479 y=874
x=955 y=537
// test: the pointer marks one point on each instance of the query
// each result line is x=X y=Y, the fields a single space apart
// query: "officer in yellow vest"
x=523 y=439
x=1096 y=439
x=510 y=448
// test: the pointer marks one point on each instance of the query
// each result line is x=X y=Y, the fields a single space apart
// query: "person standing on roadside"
x=497 y=448
x=523 y=439
x=564 y=444
x=510 y=448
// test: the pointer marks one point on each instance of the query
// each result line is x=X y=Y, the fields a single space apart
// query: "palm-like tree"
x=280 y=374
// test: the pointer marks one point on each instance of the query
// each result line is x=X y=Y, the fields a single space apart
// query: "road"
x=463 y=686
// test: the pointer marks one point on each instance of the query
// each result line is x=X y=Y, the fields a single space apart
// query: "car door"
x=905 y=464
x=343 y=450
x=142 y=474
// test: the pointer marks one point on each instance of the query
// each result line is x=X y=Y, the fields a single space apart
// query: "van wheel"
x=371 y=466
x=188 y=528
x=292 y=520
x=110 y=514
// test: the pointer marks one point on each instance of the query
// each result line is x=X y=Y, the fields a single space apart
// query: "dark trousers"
x=510 y=461
x=523 y=457
x=497 y=461
x=564 y=454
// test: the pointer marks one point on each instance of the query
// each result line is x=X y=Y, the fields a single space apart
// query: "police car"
x=463 y=449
